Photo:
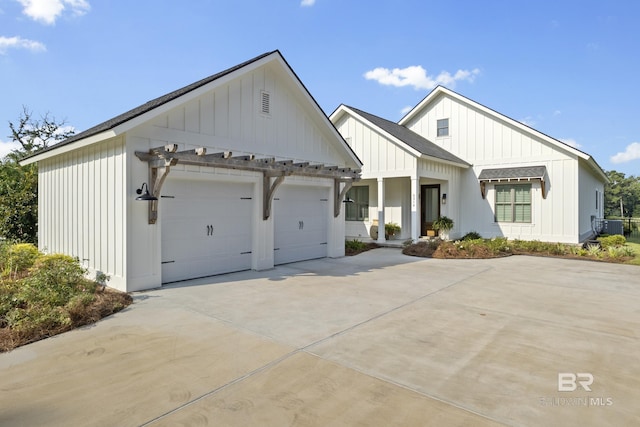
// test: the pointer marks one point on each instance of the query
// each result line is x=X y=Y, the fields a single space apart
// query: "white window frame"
x=439 y=127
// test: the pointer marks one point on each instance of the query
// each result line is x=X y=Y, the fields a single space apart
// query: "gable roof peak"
x=408 y=137
x=154 y=103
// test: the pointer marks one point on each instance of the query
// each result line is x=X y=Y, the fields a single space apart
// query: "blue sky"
x=570 y=69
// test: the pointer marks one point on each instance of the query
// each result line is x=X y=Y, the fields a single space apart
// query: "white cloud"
x=417 y=77
x=16 y=42
x=632 y=152
x=557 y=113
x=8 y=147
x=406 y=109
x=306 y=3
x=571 y=142
x=529 y=121
x=47 y=11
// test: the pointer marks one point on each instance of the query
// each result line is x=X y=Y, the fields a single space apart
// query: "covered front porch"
x=412 y=203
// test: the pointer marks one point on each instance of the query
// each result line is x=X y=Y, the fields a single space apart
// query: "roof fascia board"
x=70 y=147
x=597 y=169
x=446 y=162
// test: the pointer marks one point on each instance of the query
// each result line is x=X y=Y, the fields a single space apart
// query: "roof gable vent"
x=265 y=102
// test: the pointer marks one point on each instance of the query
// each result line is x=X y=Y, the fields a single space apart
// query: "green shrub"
x=536 y=246
x=45 y=299
x=594 y=251
x=391 y=229
x=19 y=258
x=498 y=245
x=443 y=223
x=472 y=235
x=354 y=245
x=55 y=279
x=619 y=252
x=612 y=241
x=38 y=318
x=9 y=298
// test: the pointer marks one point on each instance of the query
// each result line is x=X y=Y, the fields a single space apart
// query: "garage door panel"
x=301 y=223
x=206 y=228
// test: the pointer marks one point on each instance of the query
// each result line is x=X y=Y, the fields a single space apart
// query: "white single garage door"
x=206 y=228
x=301 y=223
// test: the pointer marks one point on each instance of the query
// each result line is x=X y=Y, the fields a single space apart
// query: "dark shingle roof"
x=148 y=106
x=410 y=138
x=513 y=173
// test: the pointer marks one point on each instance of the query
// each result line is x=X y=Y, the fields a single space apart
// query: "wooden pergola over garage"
x=161 y=160
x=277 y=200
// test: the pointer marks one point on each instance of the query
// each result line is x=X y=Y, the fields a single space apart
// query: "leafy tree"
x=19 y=184
x=625 y=188
x=36 y=134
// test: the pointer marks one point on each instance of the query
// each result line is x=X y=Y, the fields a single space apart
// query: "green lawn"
x=636 y=248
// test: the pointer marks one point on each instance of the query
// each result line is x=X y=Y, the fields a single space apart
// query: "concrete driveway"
x=376 y=339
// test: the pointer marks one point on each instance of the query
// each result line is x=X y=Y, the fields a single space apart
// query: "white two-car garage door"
x=301 y=223
x=206 y=228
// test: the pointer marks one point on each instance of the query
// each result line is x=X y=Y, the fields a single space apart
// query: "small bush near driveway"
x=44 y=295
x=613 y=249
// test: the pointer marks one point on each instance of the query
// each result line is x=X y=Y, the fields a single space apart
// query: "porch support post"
x=381 y=238
x=415 y=228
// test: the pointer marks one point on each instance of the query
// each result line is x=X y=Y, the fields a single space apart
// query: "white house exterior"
x=493 y=174
x=247 y=169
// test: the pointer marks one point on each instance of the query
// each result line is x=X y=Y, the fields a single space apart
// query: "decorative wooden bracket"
x=157 y=175
x=268 y=191
x=274 y=171
x=338 y=195
x=483 y=189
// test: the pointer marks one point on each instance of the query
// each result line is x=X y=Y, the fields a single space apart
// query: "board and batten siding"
x=81 y=207
x=229 y=117
x=449 y=177
x=486 y=141
x=590 y=188
x=381 y=157
x=387 y=159
x=479 y=137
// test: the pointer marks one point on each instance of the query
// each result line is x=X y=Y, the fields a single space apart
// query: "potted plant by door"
x=443 y=225
x=391 y=229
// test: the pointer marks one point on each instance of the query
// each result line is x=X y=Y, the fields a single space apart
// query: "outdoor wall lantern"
x=444 y=198
x=145 y=196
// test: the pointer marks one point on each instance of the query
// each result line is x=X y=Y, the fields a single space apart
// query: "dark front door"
x=429 y=207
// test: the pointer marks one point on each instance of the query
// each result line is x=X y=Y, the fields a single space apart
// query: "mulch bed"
x=367 y=247
x=107 y=303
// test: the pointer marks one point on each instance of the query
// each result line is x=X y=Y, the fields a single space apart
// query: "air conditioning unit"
x=613 y=226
